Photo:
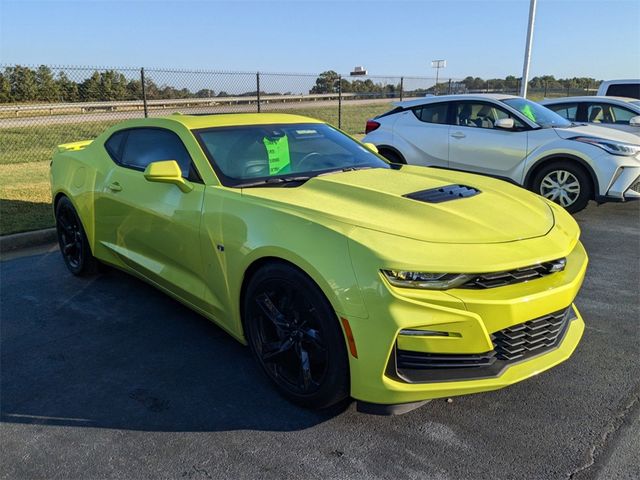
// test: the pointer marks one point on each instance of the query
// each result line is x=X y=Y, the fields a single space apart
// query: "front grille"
x=519 y=275
x=530 y=338
x=408 y=359
x=511 y=345
x=635 y=186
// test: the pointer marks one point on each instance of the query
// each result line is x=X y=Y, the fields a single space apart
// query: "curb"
x=36 y=238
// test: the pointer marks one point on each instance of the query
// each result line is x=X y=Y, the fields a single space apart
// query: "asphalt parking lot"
x=108 y=378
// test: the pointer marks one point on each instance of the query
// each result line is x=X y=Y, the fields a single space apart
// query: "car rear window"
x=630 y=90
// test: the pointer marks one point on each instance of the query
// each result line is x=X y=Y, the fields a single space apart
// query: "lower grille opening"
x=511 y=345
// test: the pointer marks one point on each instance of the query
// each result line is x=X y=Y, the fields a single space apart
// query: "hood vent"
x=443 y=194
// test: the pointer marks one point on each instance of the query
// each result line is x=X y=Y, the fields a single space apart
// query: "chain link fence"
x=44 y=106
x=41 y=107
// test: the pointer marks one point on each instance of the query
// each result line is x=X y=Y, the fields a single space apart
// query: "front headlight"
x=432 y=281
x=611 y=146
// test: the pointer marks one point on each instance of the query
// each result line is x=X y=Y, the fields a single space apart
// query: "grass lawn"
x=25 y=198
x=25 y=153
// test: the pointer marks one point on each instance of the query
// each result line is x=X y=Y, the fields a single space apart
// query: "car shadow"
x=113 y=352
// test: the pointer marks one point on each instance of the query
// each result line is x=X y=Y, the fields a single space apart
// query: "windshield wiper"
x=275 y=181
x=345 y=169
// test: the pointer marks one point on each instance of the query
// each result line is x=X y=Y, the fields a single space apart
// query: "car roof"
x=194 y=122
x=450 y=98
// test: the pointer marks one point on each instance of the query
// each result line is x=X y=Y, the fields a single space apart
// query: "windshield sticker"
x=306 y=132
x=278 y=153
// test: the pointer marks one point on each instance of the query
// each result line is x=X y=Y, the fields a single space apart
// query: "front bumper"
x=471 y=317
x=625 y=186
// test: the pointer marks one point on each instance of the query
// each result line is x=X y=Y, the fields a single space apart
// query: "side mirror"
x=167 y=171
x=635 y=121
x=371 y=147
x=506 y=123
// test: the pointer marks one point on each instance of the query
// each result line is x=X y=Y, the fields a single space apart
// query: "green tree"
x=5 y=88
x=113 y=85
x=67 y=88
x=205 y=93
x=23 y=84
x=134 y=90
x=47 y=88
x=327 y=82
x=91 y=88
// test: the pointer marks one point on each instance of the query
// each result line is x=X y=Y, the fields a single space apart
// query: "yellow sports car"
x=346 y=275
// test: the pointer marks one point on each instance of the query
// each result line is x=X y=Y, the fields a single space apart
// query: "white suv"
x=514 y=139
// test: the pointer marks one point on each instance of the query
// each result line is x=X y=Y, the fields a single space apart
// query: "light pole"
x=438 y=64
x=527 y=50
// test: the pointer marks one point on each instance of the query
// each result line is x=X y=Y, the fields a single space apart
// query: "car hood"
x=374 y=199
x=596 y=131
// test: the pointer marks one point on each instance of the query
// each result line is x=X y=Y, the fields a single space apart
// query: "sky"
x=598 y=38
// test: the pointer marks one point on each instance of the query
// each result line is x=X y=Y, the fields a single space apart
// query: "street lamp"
x=438 y=64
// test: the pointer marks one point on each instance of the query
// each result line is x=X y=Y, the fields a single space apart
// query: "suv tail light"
x=371 y=126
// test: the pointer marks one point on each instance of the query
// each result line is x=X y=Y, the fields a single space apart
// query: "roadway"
x=101 y=116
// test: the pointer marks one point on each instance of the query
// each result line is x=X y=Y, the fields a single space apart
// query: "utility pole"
x=527 y=51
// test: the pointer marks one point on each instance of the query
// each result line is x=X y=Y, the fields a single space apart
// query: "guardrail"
x=84 y=107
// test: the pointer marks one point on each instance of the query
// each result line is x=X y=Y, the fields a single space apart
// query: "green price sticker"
x=528 y=112
x=278 y=153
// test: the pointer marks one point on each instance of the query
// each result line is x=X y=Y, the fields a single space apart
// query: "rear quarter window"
x=114 y=145
x=432 y=113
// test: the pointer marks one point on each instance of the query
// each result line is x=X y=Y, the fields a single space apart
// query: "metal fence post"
x=545 y=88
x=401 y=87
x=339 y=101
x=258 y=90
x=144 y=93
x=449 y=92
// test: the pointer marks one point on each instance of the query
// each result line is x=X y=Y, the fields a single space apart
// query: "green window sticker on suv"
x=278 y=153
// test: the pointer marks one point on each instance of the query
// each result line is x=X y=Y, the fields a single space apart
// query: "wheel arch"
x=393 y=150
x=535 y=168
x=87 y=223
x=262 y=261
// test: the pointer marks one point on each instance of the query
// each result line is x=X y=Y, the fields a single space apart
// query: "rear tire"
x=565 y=183
x=73 y=241
x=295 y=337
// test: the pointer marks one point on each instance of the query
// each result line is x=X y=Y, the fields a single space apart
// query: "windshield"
x=248 y=154
x=537 y=113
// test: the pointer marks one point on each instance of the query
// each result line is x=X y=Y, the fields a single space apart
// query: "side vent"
x=443 y=194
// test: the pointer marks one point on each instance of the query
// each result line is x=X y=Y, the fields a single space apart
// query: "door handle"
x=458 y=135
x=115 y=187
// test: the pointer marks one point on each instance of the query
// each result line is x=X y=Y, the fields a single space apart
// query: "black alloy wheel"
x=294 y=335
x=72 y=239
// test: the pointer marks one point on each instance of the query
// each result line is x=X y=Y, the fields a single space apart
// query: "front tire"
x=565 y=183
x=73 y=241
x=295 y=337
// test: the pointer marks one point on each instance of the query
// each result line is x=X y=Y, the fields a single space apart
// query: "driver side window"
x=481 y=115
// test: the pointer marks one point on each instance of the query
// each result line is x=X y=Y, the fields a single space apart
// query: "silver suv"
x=514 y=139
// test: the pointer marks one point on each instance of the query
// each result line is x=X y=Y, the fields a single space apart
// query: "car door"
x=422 y=134
x=152 y=227
x=476 y=145
x=613 y=116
